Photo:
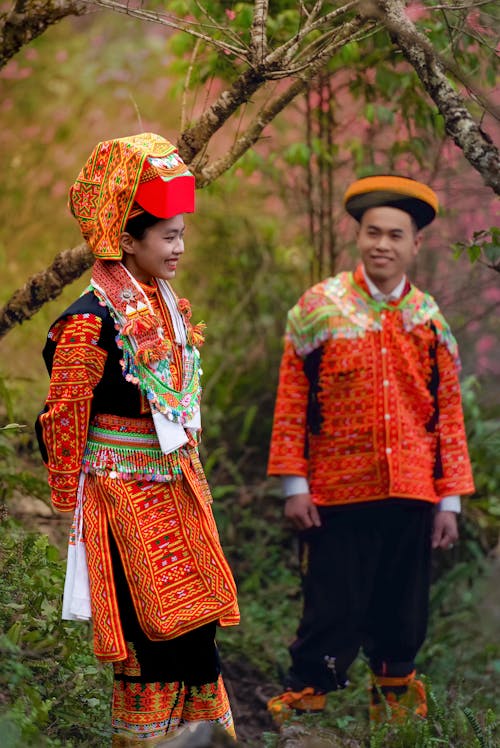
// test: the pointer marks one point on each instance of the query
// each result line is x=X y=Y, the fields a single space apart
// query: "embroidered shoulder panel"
x=337 y=308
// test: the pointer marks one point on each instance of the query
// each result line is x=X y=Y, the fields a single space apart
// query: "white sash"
x=76 y=597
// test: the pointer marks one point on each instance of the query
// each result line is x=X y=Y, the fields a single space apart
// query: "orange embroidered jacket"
x=368 y=404
x=85 y=378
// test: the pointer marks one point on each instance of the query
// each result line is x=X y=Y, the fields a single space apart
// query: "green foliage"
x=261 y=551
x=53 y=693
x=245 y=282
x=484 y=737
x=446 y=728
x=484 y=247
x=12 y=478
x=483 y=435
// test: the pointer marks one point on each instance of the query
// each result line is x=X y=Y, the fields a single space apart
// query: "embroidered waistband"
x=122 y=447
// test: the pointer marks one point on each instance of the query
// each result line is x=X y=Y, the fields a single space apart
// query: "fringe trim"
x=129 y=456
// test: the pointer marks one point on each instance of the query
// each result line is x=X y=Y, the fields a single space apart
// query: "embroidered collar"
x=146 y=351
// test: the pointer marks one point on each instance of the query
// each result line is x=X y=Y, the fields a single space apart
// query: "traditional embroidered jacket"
x=368 y=404
x=97 y=422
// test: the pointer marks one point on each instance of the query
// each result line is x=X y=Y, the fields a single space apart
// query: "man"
x=369 y=439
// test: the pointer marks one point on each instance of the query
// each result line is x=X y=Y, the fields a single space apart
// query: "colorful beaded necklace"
x=146 y=351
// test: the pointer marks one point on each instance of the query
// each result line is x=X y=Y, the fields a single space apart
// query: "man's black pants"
x=365 y=577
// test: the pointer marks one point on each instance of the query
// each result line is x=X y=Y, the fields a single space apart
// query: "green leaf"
x=384 y=115
x=350 y=53
x=297 y=154
x=474 y=252
x=492 y=252
x=370 y=113
x=14 y=633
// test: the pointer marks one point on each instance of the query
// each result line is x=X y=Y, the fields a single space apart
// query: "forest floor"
x=462 y=646
x=248 y=692
x=247 y=688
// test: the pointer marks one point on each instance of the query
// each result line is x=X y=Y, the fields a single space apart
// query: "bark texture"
x=476 y=145
x=29 y=19
x=68 y=265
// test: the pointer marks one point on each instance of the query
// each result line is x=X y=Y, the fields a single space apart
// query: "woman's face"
x=155 y=255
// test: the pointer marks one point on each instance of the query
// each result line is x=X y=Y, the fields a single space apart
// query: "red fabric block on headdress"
x=167 y=199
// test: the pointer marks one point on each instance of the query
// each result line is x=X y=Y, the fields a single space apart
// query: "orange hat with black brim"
x=403 y=193
x=143 y=169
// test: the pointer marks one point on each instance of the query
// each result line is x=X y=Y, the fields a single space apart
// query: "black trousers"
x=365 y=578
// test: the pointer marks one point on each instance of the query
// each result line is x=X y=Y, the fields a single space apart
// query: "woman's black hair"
x=138 y=226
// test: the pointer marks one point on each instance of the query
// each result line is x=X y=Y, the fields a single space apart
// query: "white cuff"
x=450 y=504
x=294 y=484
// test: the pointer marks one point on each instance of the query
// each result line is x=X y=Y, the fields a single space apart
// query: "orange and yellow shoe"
x=408 y=698
x=287 y=704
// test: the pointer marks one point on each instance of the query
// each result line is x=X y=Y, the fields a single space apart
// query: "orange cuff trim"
x=385 y=681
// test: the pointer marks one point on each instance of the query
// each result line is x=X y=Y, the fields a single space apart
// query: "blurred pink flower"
x=485 y=344
x=31 y=132
x=59 y=188
x=492 y=294
x=10 y=71
x=231 y=14
x=473 y=20
x=415 y=11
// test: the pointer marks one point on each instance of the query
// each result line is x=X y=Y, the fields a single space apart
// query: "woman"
x=119 y=436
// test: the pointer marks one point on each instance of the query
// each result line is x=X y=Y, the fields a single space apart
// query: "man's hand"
x=445 y=530
x=302 y=512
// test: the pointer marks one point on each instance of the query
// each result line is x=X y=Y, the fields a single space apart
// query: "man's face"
x=388 y=242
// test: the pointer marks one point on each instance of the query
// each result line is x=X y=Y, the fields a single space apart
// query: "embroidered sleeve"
x=455 y=475
x=77 y=368
x=288 y=441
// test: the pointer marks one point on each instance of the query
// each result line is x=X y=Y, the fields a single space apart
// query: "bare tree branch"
x=195 y=138
x=313 y=23
x=320 y=33
x=67 y=266
x=187 y=82
x=259 y=37
x=476 y=145
x=267 y=113
x=179 y=24
x=29 y=19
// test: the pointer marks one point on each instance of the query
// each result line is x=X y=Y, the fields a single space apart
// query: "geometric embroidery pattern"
x=77 y=368
x=146 y=711
x=384 y=426
x=178 y=576
x=104 y=191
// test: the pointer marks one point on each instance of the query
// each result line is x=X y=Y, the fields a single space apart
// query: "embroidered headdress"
x=406 y=194
x=145 y=169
